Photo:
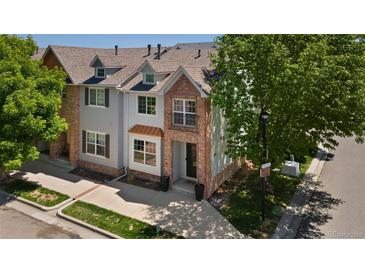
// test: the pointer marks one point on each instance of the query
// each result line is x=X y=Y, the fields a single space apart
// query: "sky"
x=122 y=40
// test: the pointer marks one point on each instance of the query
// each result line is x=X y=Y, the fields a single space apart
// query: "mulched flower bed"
x=219 y=199
x=132 y=180
x=103 y=178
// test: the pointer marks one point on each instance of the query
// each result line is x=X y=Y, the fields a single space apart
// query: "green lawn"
x=33 y=192
x=244 y=208
x=113 y=222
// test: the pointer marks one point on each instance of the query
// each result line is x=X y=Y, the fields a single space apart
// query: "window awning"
x=146 y=130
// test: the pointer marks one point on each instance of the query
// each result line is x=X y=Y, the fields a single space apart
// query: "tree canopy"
x=30 y=101
x=312 y=86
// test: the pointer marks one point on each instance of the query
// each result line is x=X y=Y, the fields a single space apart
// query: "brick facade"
x=222 y=176
x=200 y=135
x=143 y=175
x=100 y=168
x=70 y=110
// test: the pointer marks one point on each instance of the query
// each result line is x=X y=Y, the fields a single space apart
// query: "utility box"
x=291 y=168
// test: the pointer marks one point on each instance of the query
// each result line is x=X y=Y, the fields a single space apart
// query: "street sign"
x=265 y=170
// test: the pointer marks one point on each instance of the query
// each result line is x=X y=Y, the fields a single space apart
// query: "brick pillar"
x=53 y=151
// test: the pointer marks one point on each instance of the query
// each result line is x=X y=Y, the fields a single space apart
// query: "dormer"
x=106 y=65
x=153 y=71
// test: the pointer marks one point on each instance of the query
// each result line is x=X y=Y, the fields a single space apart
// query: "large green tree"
x=312 y=86
x=29 y=102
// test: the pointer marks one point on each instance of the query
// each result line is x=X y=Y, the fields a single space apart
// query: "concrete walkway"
x=173 y=211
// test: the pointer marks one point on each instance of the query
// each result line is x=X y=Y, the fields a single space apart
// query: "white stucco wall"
x=218 y=157
x=105 y=120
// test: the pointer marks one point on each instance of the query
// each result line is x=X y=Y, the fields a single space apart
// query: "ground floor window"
x=145 y=152
x=95 y=143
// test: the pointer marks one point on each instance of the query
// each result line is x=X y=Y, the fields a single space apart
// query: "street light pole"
x=264 y=116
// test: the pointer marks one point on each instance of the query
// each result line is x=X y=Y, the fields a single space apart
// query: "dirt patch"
x=42 y=196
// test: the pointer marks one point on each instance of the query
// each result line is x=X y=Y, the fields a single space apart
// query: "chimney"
x=158 y=51
x=36 y=50
x=116 y=50
x=199 y=52
x=149 y=49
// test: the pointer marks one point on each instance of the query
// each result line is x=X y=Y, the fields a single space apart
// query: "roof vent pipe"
x=149 y=49
x=116 y=50
x=158 y=51
x=36 y=49
x=199 y=52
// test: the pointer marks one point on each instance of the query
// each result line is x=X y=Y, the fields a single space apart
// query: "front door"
x=191 y=160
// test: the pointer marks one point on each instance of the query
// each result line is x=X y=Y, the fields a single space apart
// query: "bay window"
x=144 y=152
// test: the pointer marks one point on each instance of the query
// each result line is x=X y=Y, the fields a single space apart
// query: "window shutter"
x=84 y=141
x=107 y=146
x=107 y=97
x=86 y=96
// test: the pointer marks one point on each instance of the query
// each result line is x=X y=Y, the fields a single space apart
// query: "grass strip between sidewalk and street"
x=116 y=223
x=33 y=192
x=244 y=208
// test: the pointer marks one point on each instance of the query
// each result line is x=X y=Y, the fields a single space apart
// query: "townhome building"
x=144 y=110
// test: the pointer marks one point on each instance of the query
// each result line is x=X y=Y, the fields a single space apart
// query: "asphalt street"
x=337 y=209
x=16 y=225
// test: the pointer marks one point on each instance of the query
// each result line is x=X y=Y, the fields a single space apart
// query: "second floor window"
x=100 y=72
x=147 y=105
x=184 y=112
x=97 y=97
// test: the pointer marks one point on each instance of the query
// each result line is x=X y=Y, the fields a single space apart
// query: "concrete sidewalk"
x=173 y=211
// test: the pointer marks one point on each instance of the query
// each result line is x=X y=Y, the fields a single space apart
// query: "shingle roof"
x=146 y=130
x=76 y=61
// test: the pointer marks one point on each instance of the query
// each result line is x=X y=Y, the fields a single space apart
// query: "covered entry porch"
x=184 y=165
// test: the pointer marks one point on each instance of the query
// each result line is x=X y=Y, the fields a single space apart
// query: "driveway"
x=173 y=211
x=337 y=209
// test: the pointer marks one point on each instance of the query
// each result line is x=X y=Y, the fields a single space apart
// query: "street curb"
x=44 y=208
x=290 y=221
x=84 y=224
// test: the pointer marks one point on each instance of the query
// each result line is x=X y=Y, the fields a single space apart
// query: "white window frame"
x=95 y=143
x=146 y=96
x=144 y=152
x=184 y=112
x=97 y=75
x=97 y=90
x=145 y=78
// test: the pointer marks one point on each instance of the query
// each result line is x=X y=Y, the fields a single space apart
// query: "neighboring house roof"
x=196 y=45
x=39 y=53
x=146 y=130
